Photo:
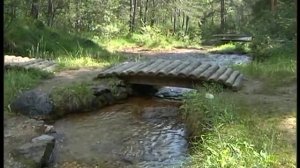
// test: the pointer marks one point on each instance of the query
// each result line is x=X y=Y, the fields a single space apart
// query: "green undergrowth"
x=277 y=67
x=225 y=132
x=18 y=80
x=149 y=38
x=71 y=98
x=70 y=51
x=230 y=48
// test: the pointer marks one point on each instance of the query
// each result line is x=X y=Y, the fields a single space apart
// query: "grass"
x=71 y=98
x=279 y=67
x=227 y=132
x=149 y=38
x=70 y=51
x=230 y=48
x=17 y=81
x=232 y=131
x=87 y=60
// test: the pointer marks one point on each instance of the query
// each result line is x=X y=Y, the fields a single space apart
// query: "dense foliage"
x=194 y=20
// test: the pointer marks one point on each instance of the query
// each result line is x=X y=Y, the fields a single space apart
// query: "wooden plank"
x=154 y=66
x=44 y=64
x=147 y=68
x=231 y=79
x=196 y=72
x=159 y=67
x=132 y=69
x=168 y=68
x=225 y=75
x=118 y=70
x=34 y=65
x=237 y=83
x=176 y=70
x=217 y=74
x=110 y=69
x=207 y=73
x=185 y=72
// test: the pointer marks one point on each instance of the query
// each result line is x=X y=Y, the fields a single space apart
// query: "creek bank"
x=56 y=103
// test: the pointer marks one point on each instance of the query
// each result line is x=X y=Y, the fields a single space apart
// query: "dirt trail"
x=18 y=129
x=68 y=77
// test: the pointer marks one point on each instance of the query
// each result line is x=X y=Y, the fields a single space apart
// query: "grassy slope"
x=33 y=39
x=236 y=130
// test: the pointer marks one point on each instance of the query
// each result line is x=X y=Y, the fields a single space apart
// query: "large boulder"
x=36 y=154
x=33 y=103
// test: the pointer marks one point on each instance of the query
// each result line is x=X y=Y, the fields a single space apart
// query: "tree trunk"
x=34 y=9
x=131 y=16
x=141 y=13
x=134 y=13
x=222 y=26
x=153 y=14
x=50 y=13
x=273 y=5
x=174 y=23
x=146 y=11
x=183 y=21
x=186 y=24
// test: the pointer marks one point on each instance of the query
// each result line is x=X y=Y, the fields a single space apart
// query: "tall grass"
x=222 y=136
x=229 y=48
x=18 y=80
x=148 y=38
x=278 y=68
x=72 y=98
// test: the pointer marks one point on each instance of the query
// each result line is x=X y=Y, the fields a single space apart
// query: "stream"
x=138 y=132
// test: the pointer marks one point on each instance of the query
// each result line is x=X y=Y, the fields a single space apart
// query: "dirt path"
x=19 y=129
x=68 y=77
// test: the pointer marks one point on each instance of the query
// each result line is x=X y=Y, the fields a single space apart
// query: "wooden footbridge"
x=233 y=37
x=179 y=73
x=28 y=63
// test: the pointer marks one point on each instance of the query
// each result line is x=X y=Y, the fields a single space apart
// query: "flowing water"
x=141 y=132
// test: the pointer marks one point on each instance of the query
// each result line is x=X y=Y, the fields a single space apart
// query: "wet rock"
x=49 y=129
x=172 y=92
x=34 y=103
x=120 y=93
x=209 y=96
x=42 y=138
x=36 y=154
x=100 y=90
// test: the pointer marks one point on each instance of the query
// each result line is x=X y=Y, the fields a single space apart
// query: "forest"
x=255 y=127
x=161 y=22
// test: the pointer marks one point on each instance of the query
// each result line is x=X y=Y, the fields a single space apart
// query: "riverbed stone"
x=33 y=103
x=42 y=138
x=37 y=153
